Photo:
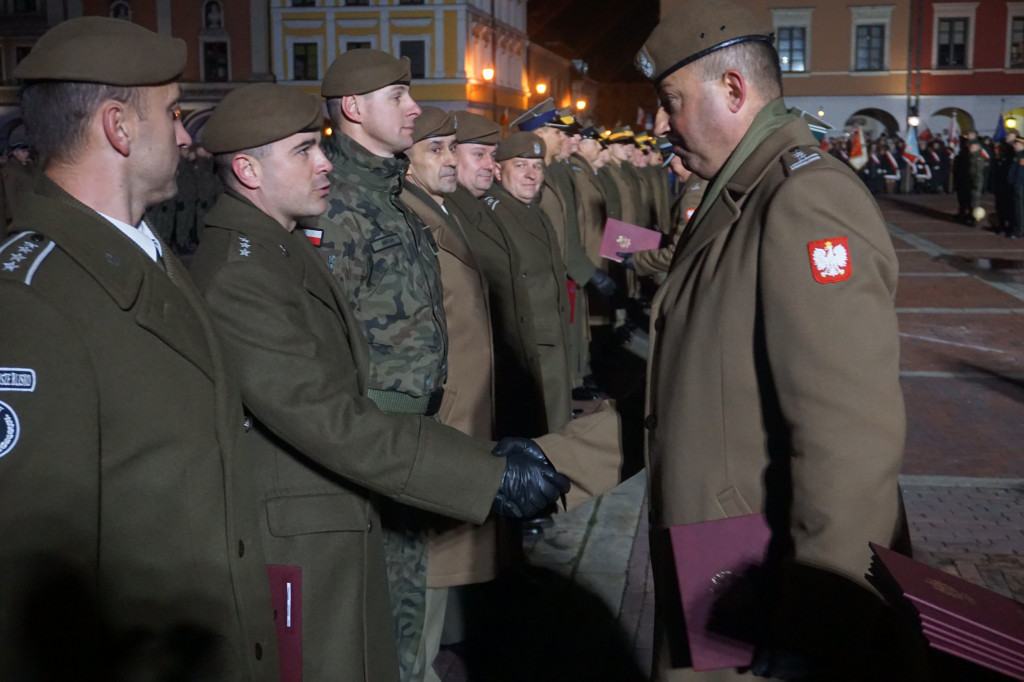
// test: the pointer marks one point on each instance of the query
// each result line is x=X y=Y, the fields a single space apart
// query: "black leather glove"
x=779 y=665
x=530 y=484
x=604 y=284
x=627 y=260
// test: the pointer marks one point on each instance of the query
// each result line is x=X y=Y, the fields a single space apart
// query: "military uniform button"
x=650 y=422
x=241 y=549
x=659 y=324
x=247 y=424
x=259 y=652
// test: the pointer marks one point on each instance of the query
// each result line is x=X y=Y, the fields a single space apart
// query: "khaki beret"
x=259 y=114
x=476 y=129
x=103 y=50
x=433 y=122
x=694 y=29
x=358 y=72
x=520 y=145
x=543 y=114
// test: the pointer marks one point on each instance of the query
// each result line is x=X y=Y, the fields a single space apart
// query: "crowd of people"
x=286 y=460
x=971 y=165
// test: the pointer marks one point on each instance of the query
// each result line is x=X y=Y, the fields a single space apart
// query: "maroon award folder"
x=620 y=237
x=953 y=610
x=709 y=557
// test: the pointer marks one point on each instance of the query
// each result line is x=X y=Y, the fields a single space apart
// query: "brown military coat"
x=323 y=450
x=122 y=478
x=755 y=363
x=459 y=553
x=592 y=210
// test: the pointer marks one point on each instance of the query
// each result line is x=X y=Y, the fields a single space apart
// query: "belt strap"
x=396 y=402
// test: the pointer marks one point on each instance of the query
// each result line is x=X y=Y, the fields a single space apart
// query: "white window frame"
x=861 y=15
x=954 y=10
x=289 y=51
x=795 y=18
x=428 y=49
x=1013 y=10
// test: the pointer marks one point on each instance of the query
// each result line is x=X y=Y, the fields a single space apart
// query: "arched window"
x=121 y=9
x=213 y=16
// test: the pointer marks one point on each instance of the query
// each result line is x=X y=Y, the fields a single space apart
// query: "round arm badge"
x=830 y=260
x=10 y=428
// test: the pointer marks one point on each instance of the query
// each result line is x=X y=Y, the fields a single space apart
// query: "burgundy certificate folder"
x=709 y=557
x=620 y=237
x=953 y=610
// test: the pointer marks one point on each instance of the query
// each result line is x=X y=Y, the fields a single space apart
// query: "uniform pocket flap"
x=303 y=514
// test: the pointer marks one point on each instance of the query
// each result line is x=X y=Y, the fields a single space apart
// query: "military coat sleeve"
x=827 y=278
x=294 y=354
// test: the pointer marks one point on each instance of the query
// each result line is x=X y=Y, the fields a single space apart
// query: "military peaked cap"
x=358 y=72
x=694 y=29
x=259 y=114
x=520 y=145
x=103 y=50
x=433 y=122
x=543 y=114
x=476 y=129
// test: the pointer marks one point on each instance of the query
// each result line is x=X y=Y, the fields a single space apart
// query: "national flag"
x=315 y=236
x=858 y=149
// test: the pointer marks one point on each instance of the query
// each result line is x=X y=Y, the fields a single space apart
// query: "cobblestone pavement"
x=961 y=309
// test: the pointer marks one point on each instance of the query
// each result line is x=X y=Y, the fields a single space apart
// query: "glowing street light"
x=542 y=88
x=581 y=104
x=488 y=74
x=1011 y=123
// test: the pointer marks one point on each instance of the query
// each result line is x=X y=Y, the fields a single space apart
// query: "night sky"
x=604 y=33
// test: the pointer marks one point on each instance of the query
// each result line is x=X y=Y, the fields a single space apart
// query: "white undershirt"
x=141 y=235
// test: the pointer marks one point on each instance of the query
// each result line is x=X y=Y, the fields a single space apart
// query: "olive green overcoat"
x=122 y=480
x=322 y=449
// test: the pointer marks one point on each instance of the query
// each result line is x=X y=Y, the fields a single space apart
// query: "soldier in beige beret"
x=131 y=547
x=774 y=375
x=318 y=443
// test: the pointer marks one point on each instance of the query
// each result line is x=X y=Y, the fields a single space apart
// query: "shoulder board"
x=22 y=254
x=242 y=248
x=491 y=202
x=800 y=157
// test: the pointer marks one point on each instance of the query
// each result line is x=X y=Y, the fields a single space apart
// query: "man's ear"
x=247 y=171
x=497 y=171
x=114 y=117
x=735 y=90
x=352 y=108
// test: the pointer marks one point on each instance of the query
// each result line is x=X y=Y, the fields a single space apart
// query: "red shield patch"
x=830 y=260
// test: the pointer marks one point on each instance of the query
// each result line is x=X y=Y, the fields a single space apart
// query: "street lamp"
x=488 y=74
x=542 y=88
x=913 y=120
x=581 y=104
x=1011 y=123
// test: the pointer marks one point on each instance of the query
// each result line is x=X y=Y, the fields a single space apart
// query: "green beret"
x=476 y=129
x=520 y=145
x=103 y=50
x=694 y=29
x=432 y=122
x=358 y=72
x=259 y=114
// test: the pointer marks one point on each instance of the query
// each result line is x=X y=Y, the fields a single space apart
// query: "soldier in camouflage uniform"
x=386 y=260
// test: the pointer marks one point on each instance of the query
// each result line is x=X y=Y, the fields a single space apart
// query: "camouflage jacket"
x=386 y=260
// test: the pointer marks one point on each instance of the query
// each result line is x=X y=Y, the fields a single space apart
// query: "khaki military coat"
x=768 y=390
x=656 y=178
x=460 y=553
x=323 y=451
x=121 y=474
x=544 y=274
x=592 y=209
